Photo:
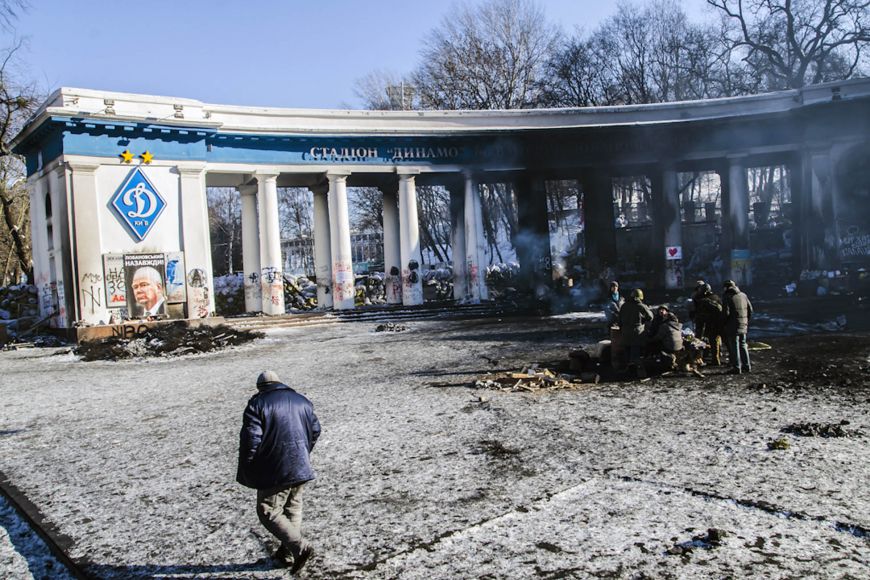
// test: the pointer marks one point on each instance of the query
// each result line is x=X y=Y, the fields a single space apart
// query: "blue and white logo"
x=138 y=203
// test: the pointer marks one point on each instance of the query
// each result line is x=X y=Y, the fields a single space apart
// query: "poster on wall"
x=145 y=276
x=116 y=283
x=741 y=267
x=176 y=288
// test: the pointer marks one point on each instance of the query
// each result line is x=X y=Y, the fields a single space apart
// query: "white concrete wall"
x=99 y=230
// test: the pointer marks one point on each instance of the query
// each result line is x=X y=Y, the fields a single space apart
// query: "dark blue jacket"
x=278 y=432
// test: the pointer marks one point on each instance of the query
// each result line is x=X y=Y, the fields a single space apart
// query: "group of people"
x=725 y=318
x=715 y=318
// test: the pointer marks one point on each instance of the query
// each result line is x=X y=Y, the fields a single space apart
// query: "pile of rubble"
x=390 y=327
x=300 y=293
x=173 y=339
x=534 y=379
x=18 y=301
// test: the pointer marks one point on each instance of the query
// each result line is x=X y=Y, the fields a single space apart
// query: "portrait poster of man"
x=146 y=285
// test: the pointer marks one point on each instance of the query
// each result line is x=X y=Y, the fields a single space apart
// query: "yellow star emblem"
x=147 y=157
x=126 y=156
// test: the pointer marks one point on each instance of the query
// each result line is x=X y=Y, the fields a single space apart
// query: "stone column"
x=669 y=228
x=475 y=242
x=392 y=246
x=457 y=239
x=271 y=274
x=197 y=242
x=251 y=249
x=735 y=222
x=87 y=246
x=322 y=246
x=821 y=238
x=89 y=284
x=599 y=224
x=796 y=180
x=64 y=265
x=533 y=238
x=41 y=251
x=409 y=236
x=342 y=261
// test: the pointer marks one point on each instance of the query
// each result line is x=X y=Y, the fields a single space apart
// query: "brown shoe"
x=302 y=558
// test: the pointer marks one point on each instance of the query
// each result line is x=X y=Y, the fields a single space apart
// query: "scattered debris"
x=754 y=345
x=533 y=379
x=712 y=539
x=820 y=430
x=390 y=327
x=778 y=444
x=166 y=340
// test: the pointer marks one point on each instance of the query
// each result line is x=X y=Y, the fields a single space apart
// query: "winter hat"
x=267 y=377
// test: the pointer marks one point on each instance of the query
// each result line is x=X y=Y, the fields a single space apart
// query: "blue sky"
x=261 y=52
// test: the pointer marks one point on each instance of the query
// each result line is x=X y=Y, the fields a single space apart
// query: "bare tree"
x=574 y=76
x=295 y=210
x=366 y=209
x=642 y=54
x=798 y=42
x=434 y=204
x=9 y=10
x=17 y=102
x=486 y=56
x=15 y=231
x=225 y=217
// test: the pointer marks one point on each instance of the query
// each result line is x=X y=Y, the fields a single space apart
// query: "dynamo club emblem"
x=138 y=204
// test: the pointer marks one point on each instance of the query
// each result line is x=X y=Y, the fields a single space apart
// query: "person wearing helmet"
x=633 y=318
x=708 y=321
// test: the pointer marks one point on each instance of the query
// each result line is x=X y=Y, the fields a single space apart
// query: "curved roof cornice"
x=128 y=107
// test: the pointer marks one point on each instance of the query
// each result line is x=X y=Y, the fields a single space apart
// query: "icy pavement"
x=23 y=554
x=420 y=476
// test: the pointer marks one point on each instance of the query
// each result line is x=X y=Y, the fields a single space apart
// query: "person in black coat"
x=279 y=430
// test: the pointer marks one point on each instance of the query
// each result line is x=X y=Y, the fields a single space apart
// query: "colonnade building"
x=118 y=182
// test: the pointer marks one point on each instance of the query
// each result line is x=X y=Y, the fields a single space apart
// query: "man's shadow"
x=222 y=571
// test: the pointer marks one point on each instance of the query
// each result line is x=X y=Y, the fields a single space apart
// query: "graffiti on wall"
x=855 y=243
x=342 y=281
x=92 y=292
x=272 y=285
x=116 y=289
x=198 y=299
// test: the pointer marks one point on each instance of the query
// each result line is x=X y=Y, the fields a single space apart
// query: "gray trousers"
x=280 y=512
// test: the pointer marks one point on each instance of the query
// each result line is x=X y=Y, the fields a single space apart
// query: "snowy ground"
x=420 y=476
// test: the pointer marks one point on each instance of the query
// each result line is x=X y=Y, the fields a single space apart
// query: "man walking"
x=736 y=311
x=279 y=431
